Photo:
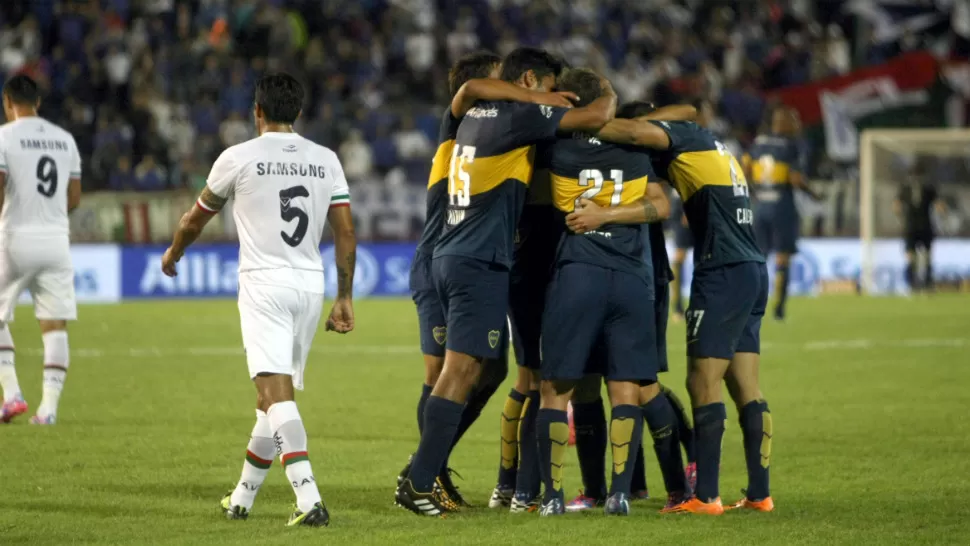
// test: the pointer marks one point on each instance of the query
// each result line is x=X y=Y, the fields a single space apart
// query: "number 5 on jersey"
x=289 y=211
x=460 y=182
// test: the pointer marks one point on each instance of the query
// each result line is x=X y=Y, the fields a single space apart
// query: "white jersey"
x=283 y=186
x=39 y=159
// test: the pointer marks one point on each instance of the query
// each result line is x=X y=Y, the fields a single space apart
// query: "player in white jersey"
x=40 y=183
x=285 y=189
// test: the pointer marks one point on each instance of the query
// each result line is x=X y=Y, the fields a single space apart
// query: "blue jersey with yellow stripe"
x=714 y=192
x=610 y=175
x=437 y=196
x=491 y=166
x=772 y=159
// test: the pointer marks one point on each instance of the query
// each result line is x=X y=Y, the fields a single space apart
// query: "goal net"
x=890 y=159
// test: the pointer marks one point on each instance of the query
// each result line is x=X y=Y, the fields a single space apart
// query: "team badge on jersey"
x=440 y=334
x=493 y=338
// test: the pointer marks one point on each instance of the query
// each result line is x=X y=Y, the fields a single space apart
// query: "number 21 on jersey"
x=459 y=182
x=593 y=179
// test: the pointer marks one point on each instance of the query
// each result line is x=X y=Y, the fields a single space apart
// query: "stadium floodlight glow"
x=880 y=152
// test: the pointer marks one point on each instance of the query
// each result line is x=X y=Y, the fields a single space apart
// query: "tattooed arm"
x=190 y=227
x=654 y=207
x=341 y=318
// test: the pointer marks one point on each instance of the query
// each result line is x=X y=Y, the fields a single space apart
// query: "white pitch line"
x=168 y=352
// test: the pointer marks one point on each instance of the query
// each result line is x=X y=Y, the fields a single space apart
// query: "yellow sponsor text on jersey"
x=606 y=189
x=691 y=171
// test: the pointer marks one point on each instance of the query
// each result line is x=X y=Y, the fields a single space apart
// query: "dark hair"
x=22 y=90
x=521 y=60
x=582 y=81
x=471 y=66
x=280 y=96
x=635 y=109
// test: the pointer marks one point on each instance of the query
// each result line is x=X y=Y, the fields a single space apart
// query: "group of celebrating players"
x=544 y=218
x=544 y=209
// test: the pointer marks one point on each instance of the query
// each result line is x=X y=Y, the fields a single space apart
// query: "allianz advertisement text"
x=110 y=273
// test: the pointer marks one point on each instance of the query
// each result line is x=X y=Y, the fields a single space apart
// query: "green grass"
x=870 y=401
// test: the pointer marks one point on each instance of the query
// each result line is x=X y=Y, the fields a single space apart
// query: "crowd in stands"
x=154 y=90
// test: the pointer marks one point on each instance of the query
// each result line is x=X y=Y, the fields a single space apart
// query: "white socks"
x=8 y=372
x=259 y=457
x=56 y=361
x=291 y=441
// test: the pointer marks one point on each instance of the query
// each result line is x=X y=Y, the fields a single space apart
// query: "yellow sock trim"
x=621 y=434
x=509 y=429
x=559 y=436
x=767 y=428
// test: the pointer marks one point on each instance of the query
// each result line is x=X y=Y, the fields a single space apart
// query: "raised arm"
x=653 y=207
x=635 y=132
x=493 y=89
x=592 y=117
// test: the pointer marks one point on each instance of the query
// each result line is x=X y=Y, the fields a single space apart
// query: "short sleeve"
x=222 y=177
x=534 y=122
x=674 y=132
x=75 y=160
x=340 y=191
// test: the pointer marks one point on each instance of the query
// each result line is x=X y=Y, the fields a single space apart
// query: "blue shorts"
x=726 y=307
x=539 y=231
x=598 y=321
x=683 y=238
x=474 y=296
x=776 y=232
x=431 y=315
x=661 y=313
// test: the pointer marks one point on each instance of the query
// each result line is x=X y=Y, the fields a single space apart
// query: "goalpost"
x=885 y=156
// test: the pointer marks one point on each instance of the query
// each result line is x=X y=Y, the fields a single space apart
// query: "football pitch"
x=870 y=400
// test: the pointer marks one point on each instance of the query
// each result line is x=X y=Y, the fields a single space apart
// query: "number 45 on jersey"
x=459 y=183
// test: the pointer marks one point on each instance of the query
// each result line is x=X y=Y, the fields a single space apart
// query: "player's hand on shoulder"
x=341 y=319
x=169 y=259
x=587 y=216
x=561 y=99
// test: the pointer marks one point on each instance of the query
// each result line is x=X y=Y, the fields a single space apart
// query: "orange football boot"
x=763 y=505
x=694 y=505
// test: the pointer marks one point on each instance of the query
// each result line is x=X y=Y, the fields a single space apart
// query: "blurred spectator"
x=150 y=176
x=117 y=64
x=356 y=156
x=172 y=79
x=412 y=143
x=121 y=177
x=234 y=130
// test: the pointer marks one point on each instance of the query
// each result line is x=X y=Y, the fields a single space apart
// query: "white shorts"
x=42 y=265
x=278 y=325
